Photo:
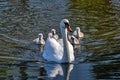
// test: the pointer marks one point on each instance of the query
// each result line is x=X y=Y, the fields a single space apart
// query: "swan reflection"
x=58 y=71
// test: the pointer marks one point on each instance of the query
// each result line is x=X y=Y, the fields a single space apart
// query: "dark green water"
x=22 y=20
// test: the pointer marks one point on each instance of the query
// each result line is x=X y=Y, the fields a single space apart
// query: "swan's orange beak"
x=69 y=28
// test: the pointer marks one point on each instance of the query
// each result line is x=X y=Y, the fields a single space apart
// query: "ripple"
x=21 y=21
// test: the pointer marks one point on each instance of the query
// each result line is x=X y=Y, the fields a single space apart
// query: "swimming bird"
x=53 y=34
x=39 y=40
x=57 y=51
x=76 y=36
x=77 y=33
x=74 y=40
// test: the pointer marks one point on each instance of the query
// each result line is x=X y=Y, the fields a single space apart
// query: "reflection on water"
x=97 y=57
x=25 y=70
x=58 y=71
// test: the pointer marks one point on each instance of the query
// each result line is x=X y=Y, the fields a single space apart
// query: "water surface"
x=22 y=20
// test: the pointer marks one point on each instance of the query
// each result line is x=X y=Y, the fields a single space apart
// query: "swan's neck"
x=78 y=33
x=66 y=56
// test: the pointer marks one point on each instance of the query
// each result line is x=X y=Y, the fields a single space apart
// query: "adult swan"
x=60 y=51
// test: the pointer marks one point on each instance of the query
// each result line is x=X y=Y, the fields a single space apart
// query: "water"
x=22 y=20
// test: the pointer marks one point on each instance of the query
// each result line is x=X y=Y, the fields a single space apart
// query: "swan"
x=77 y=33
x=57 y=51
x=53 y=34
x=76 y=36
x=74 y=40
x=39 y=40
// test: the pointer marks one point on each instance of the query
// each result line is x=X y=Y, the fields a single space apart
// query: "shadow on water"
x=97 y=57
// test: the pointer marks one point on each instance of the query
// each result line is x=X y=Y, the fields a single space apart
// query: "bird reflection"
x=58 y=71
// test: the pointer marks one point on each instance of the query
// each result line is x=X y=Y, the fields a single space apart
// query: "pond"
x=22 y=20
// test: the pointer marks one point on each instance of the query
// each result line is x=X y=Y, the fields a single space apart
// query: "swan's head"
x=53 y=31
x=40 y=35
x=64 y=24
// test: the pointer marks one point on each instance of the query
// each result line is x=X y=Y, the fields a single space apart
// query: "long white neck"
x=66 y=56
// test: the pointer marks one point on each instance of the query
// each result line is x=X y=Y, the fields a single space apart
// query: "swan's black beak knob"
x=68 y=27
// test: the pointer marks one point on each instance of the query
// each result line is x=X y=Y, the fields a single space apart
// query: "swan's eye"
x=66 y=24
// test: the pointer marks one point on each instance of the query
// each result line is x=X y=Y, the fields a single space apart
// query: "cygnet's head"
x=40 y=35
x=78 y=29
x=53 y=31
x=72 y=37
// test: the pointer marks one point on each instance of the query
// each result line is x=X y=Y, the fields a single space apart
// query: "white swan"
x=39 y=40
x=59 y=52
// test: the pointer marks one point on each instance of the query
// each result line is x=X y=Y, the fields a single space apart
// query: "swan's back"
x=53 y=51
